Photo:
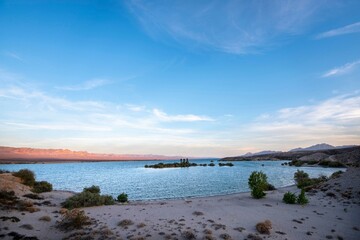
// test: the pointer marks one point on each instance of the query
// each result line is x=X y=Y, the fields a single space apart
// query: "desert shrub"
x=92 y=189
x=264 y=227
x=302 y=199
x=289 y=198
x=336 y=174
x=73 y=219
x=8 y=198
x=125 y=223
x=123 y=197
x=300 y=176
x=42 y=186
x=27 y=177
x=188 y=235
x=270 y=187
x=108 y=199
x=333 y=164
x=258 y=183
x=87 y=199
x=45 y=218
x=33 y=196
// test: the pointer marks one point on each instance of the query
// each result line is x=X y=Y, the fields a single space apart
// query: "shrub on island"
x=258 y=184
x=27 y=177
x=123 y=198
x=88 y=198
x=73 y=219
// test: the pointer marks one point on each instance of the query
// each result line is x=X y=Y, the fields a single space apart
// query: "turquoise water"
x=145 y=183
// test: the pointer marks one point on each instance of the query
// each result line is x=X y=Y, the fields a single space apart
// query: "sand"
x=332 y=213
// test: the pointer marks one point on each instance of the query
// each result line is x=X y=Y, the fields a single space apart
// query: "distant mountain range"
x=316 y=147
x=12 y=154
x=320 y=152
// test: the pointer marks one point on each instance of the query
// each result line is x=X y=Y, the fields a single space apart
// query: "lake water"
x=146 y=183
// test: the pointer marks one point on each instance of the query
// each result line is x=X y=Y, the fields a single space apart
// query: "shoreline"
x=333 y=212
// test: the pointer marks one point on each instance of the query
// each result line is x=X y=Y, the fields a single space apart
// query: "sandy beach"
x=333 y=212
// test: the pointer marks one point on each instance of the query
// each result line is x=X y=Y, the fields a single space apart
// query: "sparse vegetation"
x=92 y=189
x=45 y=218
x=123 y=198
x=73 y=219
x=125 y=223
x=226 y=164
x=302 y=199
x=27 y=177
x=33 y=196
x=270 y=187
x=336 y=174
x=188 y=235
x=289 y=198
x=88 y=199
x=304 y=182
x=43 y=186
x=258 y=184
x=264 y=227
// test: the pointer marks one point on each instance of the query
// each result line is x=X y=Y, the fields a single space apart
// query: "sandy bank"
x=333 y=213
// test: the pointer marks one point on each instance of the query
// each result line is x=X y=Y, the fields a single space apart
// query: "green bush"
x=289 y=198
x=108 y=199
x=302 y=199
x=258 y=184
x=123 y=197
x=87 y=199
x=92 y=189
x=27 y=177
x=42 y=186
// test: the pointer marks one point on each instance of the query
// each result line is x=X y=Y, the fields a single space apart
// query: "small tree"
x=258 y=184
x=301 y=178
x=289 y=198
x=302 y=199
x=123 y=197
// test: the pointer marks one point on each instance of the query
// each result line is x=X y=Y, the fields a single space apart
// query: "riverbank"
x=332 y=213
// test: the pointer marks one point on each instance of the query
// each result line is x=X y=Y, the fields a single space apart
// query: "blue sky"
x=191 y=78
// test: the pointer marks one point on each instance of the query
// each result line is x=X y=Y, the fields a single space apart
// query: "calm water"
x=145 y=183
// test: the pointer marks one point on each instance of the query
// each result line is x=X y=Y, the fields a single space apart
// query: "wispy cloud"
x=230 y=26
x=352 y=28
x=179 y=118
x=348 y=67
x=14 y=56
x=88 y=85
x=335 y=120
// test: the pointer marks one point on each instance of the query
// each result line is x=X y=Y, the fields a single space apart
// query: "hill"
x=346 y=155
x=24 y=155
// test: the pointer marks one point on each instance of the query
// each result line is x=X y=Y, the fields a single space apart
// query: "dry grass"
x=73 y=219
x=197 y=213
x=188 y=235
x=45 y=218
x=141 y=225
x=125 y=223
x=264 y=227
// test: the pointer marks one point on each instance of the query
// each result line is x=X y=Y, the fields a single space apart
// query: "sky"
x=200 y=78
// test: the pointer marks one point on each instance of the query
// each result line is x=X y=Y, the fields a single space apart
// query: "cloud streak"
x=162 y=116
x=348 y=29
x=348 y=67
x=88 y=85
x=231 y=26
